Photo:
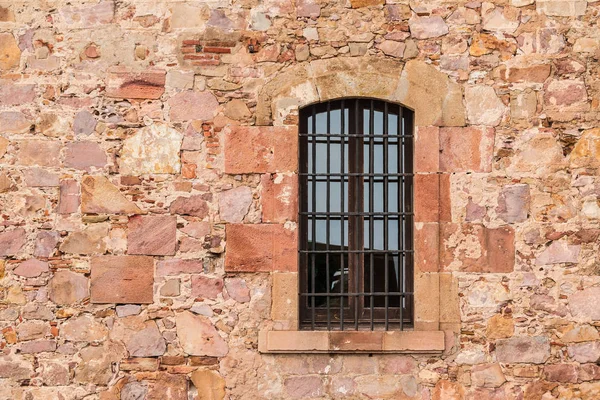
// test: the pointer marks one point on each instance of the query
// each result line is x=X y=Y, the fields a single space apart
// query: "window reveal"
x=356 y=215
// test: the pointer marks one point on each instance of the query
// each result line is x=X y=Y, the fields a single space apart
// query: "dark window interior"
x=356 y=215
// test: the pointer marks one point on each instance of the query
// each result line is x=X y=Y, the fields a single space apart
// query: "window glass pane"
x=321 y=120
x=378 y=156
x=378 y=123
x=335 y=122
x=392 y=124
x=393 y=198
x=392 y=159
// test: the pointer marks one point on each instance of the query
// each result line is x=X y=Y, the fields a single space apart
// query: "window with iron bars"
x=356 y=215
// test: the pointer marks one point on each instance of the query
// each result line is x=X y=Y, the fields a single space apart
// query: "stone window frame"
x=437 y=102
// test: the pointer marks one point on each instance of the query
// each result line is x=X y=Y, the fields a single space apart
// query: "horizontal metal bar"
x=355 y=251
x=366 y=174
x=338 y=214
x=352 y=135
x=403 y=294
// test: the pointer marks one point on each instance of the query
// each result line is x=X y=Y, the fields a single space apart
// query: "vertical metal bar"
x=342 y=178
x=357 y=265
x=314 y=218
x=385 y=210
x=372 y=209
x=328 y=194
x=401 y=247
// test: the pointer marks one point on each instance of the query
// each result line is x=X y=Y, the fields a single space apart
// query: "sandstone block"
x=97 y=362
x=279 y=198
x=14 y=122
x=198 y=337
x=91 y=240
x=141 y=338
x=39 y=177
x=210 y=385
x=427 y=27
x=566 y=373
x=84 y=123
x=487 y=375
x=585 y=304
x=129 y=85
x=70 y=197
x=580 y=333
x=38 y=346
x=234 y=204
x=206 y=287
x=11 y=54
x=427 y=197
x=303 y=387
x=44 y=153
x=523 y=349
x=588 y=352
x=176 y=266
x=260 y=248
x=566 y=95
x=447 y=390
x=426 y=238
x=31 y=268
x=513 y=203
x=88 y=16
x=237 y=290
x=83 y=329
x=189 y=105
x=68 y=287
x=260 y=149
x=151 y=150
x=15 y=95
x=11 y=242
x=426 y=139
x=152 y=235
x=499 y=327
x=99 y=195
x=467 y=149
x=84 y=156
x=562 y=8
x=531 y=73
x=194 y=205
x=483 y=106
x=122 y=279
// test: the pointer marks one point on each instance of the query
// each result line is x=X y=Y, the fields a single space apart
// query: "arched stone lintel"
x=436 y=99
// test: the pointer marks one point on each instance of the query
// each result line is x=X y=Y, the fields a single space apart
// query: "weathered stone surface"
x=392 y=48
x=11 y=54
x=500 y=19
x=206 y=287
x=584 y=352
x=171 y=288
x=194 y=205
x=169 y=386
x=523 y=349
x=128 y=85
x=423 y=87
x=427 y=27
x=562 y=8
x=38 y=177
x=97 y=362
x=499 y=327
x=83 y=329
x=566 y=95
x=14 y=95
x=70 y=197
x=234 y=204
x=260 y=149
x=586 y=151
x=45 y=243
x=566 y=373
x=279 y=198
x=14 y=122
x=88 y=16
x=99 y=195
x=44 y=153
x=152 y=235
x=38 y=346
x=531 y=73
x=197 y=230
x=31 y=268
x=302 y=387
x=15 y=367
x=580 y=333
x=260 y=248
x=238 y=290
x=238 y=110
x=11 y=241
x=141 y=338
x=466 y=149
x=127 y=310
x=84 y=123
x=446 y=390
x=177 y=266
x=513 y=203
x=91 y=240
x=523 y=105
x=559 y=252
x=483 y=106
x=198 y=337
x=84 y=156
x=151 y=150
x=122 y=279
x=585 y=304
x=188 y=105
x=487 y=375
x=210 y=385
x=68 y=287
x=29 y=330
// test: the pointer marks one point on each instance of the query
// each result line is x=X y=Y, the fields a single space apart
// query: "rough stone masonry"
x=148 y=193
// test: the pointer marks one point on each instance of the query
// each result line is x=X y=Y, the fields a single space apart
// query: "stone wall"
x=148 y=159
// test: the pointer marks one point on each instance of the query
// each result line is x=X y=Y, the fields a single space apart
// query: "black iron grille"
x=356 y=215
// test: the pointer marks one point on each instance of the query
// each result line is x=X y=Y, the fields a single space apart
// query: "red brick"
x=153 y=235
x=260 y=248
x=261 y=149
x=122 y=279
x=426 y=200
x=213 y=49
x=427 y=247
x=427 y=144
x=467 y=149
x=279 y=198
x=129 y=85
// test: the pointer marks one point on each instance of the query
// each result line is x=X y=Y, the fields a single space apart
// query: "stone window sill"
x=351 y=342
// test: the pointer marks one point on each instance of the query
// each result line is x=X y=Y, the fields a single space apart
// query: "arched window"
x=356 y=215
